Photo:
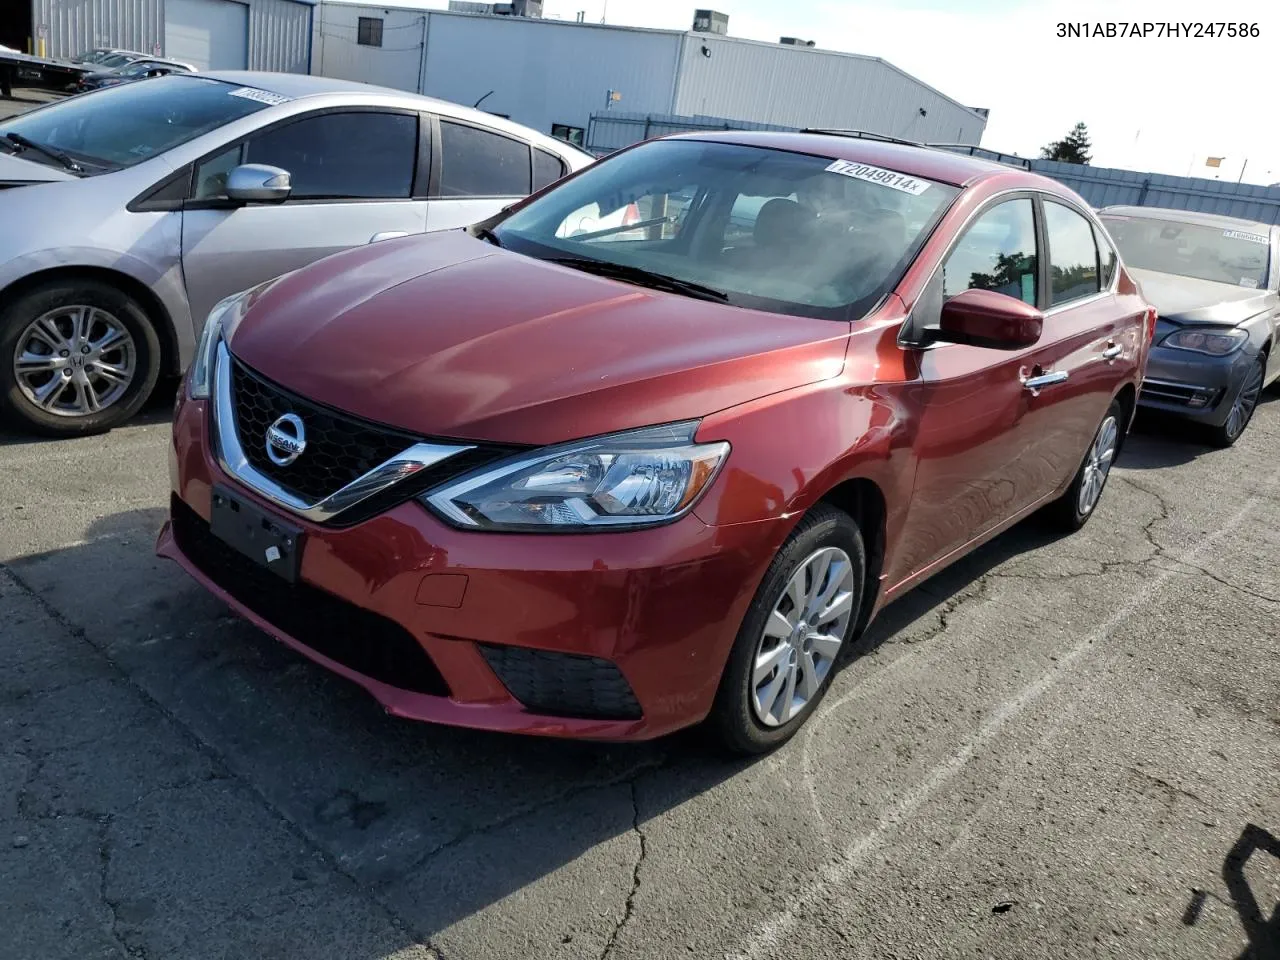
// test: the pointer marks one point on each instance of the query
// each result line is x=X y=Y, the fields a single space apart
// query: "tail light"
x=631 y=216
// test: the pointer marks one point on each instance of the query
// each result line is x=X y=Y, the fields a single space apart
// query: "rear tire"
x=1243 y=405
x=800 y=621
x=1073 y=509
x=77 y=357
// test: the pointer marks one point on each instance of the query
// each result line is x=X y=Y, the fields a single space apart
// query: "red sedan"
x=613 y=482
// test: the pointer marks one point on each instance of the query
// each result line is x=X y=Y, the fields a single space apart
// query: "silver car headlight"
x=632 y=479
x=221 y=318
x=1213 y=341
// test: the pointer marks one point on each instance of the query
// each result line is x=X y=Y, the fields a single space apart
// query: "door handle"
x=1040 y=381
x=1113 y=350
x=388 y=235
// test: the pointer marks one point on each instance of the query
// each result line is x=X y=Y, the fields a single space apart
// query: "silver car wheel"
x=1246 y=400
x=802 y=636
x=1097 y=465
x=75 y=361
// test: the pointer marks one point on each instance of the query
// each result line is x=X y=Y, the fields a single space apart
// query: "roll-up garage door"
x=209 y=34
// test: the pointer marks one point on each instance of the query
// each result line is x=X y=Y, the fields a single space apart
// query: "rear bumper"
x=1192 y=385
x=470 y=629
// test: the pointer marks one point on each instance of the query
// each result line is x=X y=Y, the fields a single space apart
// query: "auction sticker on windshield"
x=886 y=178
x=262 y=96
x=1241 y=235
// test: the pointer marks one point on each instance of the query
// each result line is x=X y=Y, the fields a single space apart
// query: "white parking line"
x=773 y=932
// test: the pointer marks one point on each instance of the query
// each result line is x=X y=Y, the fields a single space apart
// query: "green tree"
x=1073 y=148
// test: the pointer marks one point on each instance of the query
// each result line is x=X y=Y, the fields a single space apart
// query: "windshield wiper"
x=642 y=278
x=484 y=233
x=28 y=144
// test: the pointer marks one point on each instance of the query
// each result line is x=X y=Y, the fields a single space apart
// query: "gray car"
x=1215 y=282
x=126 y=214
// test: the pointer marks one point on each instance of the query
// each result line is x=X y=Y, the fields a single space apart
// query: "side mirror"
x=984 y=318
x=258 y=183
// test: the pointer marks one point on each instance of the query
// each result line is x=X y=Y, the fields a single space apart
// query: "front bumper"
x=449 y=626
x=1196 y=386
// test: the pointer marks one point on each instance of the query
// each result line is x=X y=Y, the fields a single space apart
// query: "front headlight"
x=638 y=478
x=1213 y=341
x=221 y=317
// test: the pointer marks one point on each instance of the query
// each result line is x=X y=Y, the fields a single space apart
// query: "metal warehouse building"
x=211 y=34
x=556 y=75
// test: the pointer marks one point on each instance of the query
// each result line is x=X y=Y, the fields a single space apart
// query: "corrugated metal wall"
x=544 y=72
x=73 y=26
x=801 y=87
x=280 y=35
x=614 y=130
x=1107 y=186
x=397 y=63
x=1102 y=186
x=279 y=30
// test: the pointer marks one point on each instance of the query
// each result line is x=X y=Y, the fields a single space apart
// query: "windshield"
x=115 y=59
x=1235 y=255
x=768 y=229
x=123 y=125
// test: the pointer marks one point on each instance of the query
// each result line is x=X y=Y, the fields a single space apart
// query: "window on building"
x=1073 y=254
x=327 y=157
x=575 y=135
x=547 y=169
x=369 y=31
x=478 y=163
x=998 y=252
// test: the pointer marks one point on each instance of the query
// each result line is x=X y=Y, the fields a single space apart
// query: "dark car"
x=138 y=69
x=1215 y=283
x=512 y=478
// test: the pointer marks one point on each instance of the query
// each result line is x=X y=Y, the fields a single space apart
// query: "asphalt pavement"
x=1059 y=748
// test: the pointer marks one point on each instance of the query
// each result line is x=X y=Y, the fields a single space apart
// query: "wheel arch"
x=865 y=502
x=151 y=304
x=1127 y=397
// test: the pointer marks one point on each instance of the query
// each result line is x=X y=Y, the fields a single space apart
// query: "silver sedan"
x=127 y=213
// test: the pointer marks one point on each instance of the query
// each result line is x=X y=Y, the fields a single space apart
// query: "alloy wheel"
x=1097 y=465
x=75 y=361
x=802 y=636
x=1245 y=402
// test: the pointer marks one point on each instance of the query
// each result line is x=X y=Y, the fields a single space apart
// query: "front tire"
x=1243 y=405
x=1073 y=509
x=802 y=617
x=77 y=357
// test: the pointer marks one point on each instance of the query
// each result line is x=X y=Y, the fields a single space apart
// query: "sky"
x=1150 y=103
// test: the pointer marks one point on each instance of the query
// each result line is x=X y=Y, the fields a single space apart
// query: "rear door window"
x=547 y=169
x=480 y=163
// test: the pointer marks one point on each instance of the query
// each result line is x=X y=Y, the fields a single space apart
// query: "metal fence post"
x=1142 y=194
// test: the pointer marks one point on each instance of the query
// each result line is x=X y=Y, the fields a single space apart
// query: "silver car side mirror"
x=259 y=183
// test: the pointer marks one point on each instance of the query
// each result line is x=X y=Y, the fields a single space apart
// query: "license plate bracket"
x=264 y=538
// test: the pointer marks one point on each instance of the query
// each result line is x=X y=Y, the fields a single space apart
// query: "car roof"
x=1184 y=216
x=914 y=160
x=297 y=86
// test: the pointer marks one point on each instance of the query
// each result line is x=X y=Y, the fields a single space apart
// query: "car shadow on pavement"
x=435 y=825
x=1158 y=441
x=158 y=410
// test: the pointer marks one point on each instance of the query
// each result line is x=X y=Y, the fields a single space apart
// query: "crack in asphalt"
x=628 y=776
x=629 y=908
x=1160 y=553
x=1169 y=788
x=112 y=906
x=219 y=759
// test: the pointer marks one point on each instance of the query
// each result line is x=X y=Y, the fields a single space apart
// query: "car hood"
x=447 y=336
x=17 y=170
x=1188 y=301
